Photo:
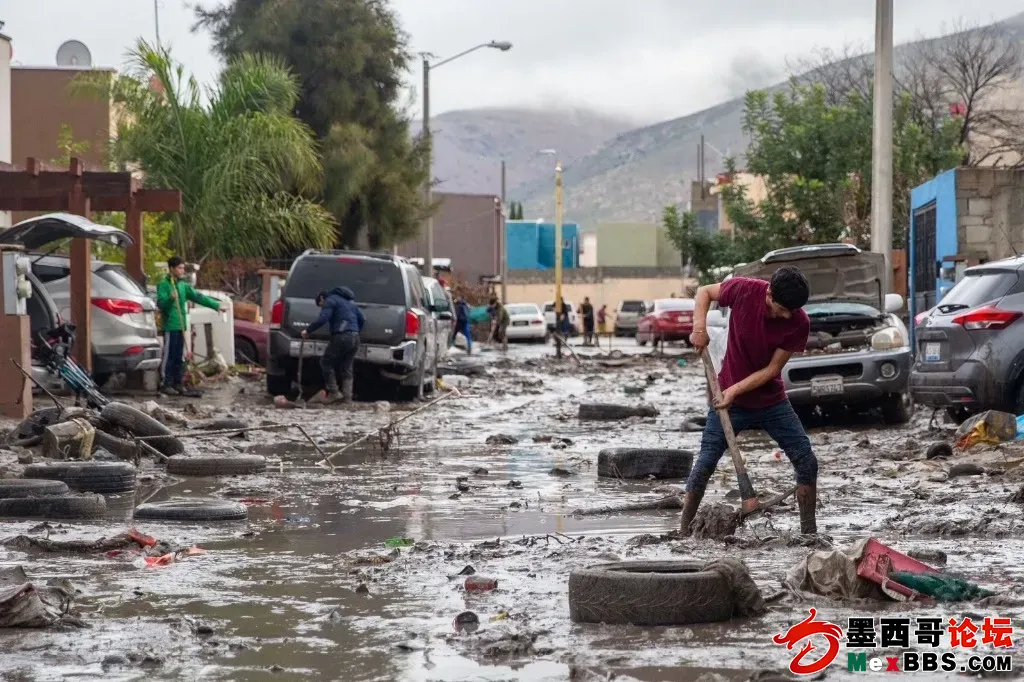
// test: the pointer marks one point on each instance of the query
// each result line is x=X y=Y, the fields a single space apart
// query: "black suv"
x=401 y=338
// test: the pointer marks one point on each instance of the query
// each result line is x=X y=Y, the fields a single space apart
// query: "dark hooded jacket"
x=339 y=312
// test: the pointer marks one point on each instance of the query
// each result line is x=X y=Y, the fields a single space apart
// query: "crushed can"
x=479 y=583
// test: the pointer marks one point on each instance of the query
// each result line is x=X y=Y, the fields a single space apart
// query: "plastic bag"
x=991 y=426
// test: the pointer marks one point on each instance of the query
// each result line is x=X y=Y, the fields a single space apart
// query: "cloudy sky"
x=647 y=60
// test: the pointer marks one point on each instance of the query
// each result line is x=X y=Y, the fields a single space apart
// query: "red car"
x=251 y=343
x=671 y=319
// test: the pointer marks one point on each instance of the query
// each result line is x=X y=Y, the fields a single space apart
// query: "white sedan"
x=526 y=322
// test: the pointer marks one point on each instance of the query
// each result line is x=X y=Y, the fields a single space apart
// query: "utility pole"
x=156 y=21
x=881 y=148
x=503 y=245
x=558 y=256
x=428 y=262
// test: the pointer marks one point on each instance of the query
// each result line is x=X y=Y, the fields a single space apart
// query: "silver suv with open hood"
x=858 y=352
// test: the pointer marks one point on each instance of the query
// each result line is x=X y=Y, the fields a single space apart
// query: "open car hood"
x=835 y=272
x=36 y=233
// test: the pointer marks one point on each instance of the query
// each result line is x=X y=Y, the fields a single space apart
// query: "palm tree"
x=246 y=167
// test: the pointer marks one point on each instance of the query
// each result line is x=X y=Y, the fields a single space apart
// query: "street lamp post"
x=881 y=148
x=558 y=250
x=504 y=46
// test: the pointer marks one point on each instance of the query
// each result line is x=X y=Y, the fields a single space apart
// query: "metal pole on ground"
x=558 y=254
x=503 y=241
x=881 y=152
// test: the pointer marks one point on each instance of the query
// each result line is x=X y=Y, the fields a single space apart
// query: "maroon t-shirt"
x=754 y=336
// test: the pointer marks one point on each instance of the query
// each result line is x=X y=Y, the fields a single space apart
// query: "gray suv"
x=858 y=351
x=403 y=337
x=970 y=347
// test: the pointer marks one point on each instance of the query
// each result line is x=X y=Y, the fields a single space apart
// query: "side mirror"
x=893 y=303
x=445 y=315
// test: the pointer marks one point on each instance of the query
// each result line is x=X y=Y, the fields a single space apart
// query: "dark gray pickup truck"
x=401 y=341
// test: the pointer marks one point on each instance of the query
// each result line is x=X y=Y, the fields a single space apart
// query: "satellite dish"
x=73 y=53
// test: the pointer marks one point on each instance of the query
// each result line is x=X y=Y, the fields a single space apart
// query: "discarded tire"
x=87 y=477
x=121 y=447
x=192 y=509
x=649 y=593
x=142 y=425
x=603 y=412
x=30 y=487
x=54 y=507
x=216 y=465
x=644 y=463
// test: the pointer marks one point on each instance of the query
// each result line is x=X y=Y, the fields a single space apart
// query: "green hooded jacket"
x=172 y=299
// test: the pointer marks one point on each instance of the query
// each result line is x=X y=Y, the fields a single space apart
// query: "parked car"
x=574 y=318
x=123 y=328
x=442 y=309
x=527 y=322
x=858 y=350
x=628 y=315
x=400 y=342
x=970 y=346
x=251 y=342
x=669 y=319
x=124 y=332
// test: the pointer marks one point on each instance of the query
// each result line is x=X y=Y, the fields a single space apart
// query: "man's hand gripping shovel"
x=751 y=504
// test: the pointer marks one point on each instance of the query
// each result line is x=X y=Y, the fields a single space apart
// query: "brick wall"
x=990 y=213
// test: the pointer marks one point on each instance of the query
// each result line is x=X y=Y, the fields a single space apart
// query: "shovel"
x=750 y=504
x=300 y=401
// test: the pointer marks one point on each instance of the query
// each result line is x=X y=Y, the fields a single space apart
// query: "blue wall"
x=942 y=190
x=531 y=245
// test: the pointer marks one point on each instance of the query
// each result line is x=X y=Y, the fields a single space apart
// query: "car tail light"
x=536 y=322
x=134 y=350
x=412 y=325
x=987 y=318
x=117 y=306
x=276 y=314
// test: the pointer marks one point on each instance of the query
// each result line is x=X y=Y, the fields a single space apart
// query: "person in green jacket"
x=172 y=297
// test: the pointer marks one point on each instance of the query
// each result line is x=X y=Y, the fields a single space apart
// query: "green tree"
x=156 y=232
x=68 y=146
x=815 y=158
x=235 y=152
x=515 y=211
x=704 y=250
x=351 y=57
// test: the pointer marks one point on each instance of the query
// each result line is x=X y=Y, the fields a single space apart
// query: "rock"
x=361 y=588
x=114 y=660
x=558 y=471
x=965 y=469
x=938 y=451
x=715 y=522
x=25 y=457
x=514 y=484
x=203 y=629
x=480 y=471
x=382 y=407
x=935 y=557
x=502 y=439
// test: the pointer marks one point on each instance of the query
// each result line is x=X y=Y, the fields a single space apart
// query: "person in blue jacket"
x=462 y=324
x=345 y=320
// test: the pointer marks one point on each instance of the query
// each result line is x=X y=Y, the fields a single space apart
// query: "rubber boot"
x=690 y=503
x=346 y=390
x=807 y=501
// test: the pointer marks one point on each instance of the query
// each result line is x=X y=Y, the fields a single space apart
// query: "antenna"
x=73 y=53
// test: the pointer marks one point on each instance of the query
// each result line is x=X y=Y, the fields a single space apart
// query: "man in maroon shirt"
x=766 y=326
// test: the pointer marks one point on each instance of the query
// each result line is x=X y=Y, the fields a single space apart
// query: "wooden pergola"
x=41 y=188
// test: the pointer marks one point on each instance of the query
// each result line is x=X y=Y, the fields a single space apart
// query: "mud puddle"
x=308 y=587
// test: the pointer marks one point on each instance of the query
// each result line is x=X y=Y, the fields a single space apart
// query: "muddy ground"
x=307 y=588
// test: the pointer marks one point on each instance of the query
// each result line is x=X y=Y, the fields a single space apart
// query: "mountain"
x=470 y=145
x=635 y=175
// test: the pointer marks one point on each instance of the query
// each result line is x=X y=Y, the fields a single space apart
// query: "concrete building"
x=43 y=104
x=960 y=218
x=531 y=245
x=704 y=204
x=6 y=52
x=634 y=245
x=756 y=192
x=466 y=230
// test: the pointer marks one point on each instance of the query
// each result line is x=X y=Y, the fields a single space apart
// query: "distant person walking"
x=345 y=320
x=501 y=320
x=602 y=320
x=587 y=310
x=173 y=295
x=462 y=324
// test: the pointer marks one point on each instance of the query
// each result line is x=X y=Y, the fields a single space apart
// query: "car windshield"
x=819 y=310
x=977 y=288
x=372 y=281
x=523 y=309
x=674 y=304
x=632 y=306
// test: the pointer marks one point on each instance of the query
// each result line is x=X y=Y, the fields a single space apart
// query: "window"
x=978 y=288
x=523 y=309
x=120 y=279
x=925 y=265
x=632 y=306
x=417 y=294
x=372 y=281
x=439 y=298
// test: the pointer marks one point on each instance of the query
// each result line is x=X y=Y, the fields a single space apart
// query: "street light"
x=558 y=246
x=504 y=46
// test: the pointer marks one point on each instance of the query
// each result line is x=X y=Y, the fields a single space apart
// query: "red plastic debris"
x=478 y=583
x=160 y=560
x=142 y=540
x=879 y=561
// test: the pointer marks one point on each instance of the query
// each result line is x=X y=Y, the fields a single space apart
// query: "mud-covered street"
x=310 y=588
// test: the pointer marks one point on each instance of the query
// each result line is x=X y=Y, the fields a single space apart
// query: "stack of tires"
x=65 y=490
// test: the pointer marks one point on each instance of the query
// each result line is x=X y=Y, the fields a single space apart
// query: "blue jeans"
x=174 y=358
x=778 y=421
x=463 y=327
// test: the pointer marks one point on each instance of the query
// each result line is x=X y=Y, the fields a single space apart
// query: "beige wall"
x=756 y=192
x=608 y=292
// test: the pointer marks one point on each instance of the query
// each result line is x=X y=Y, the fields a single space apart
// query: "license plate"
x=832 y=385
x=932 y=352
x=519 y=324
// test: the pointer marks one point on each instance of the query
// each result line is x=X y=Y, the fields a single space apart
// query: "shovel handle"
x=746 y=487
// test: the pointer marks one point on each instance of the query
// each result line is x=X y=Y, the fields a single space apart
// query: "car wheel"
x=431 y=386
x=639 y=340
x=245 y=352
x=896 y=408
